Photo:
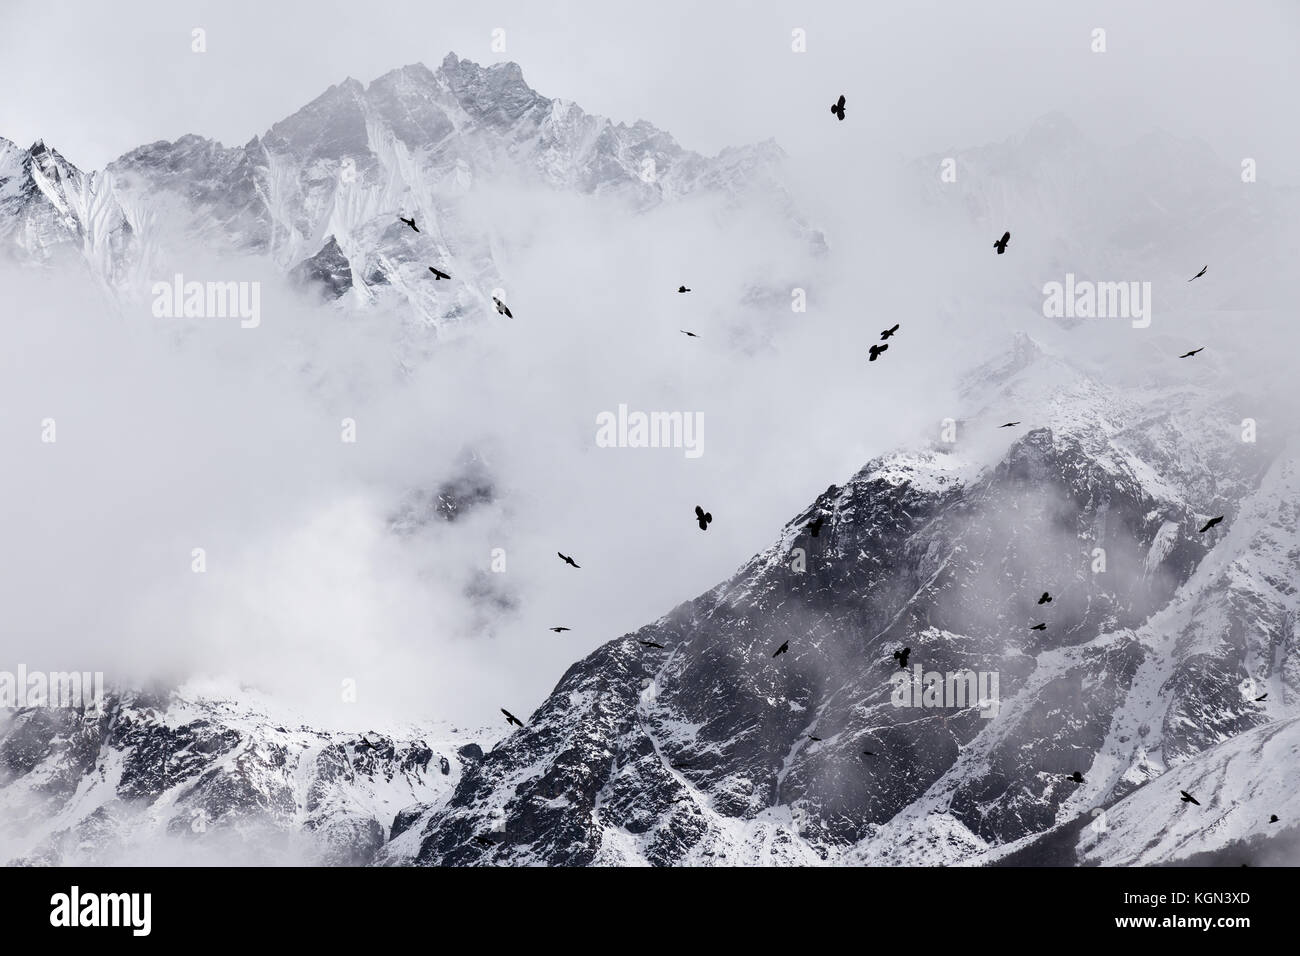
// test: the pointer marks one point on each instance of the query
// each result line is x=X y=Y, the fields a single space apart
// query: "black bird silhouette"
x=568 y=560
x=503 y=308
x=511 y=718
x=1188 y=798
x=1192 y=352
x=1210 y=524
x=888 y=332
x=785 y=646
x=815 y=740
x=875 y=352
x=1001 y=244
x=1076 y=777
x=1261 y=697
x=410 y=222
x=838 y=107
x=703 y=518
x=1199 y=274
x=438 y=274
x=1039 y=627
x=868 y=753
x=1273 y=818
x=1009 y=425
x=691 y=334
x=815 y=526
x=682 y=288
x=1045 y=599
x=557 y=630
x=652 y=644
x=901 y=656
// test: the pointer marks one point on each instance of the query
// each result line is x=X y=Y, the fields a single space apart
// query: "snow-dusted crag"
x=188 y=776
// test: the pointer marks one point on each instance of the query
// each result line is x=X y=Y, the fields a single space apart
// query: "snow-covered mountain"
x=319 y=195
x=194 y=776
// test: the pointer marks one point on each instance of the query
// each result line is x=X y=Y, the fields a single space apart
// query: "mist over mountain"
x=417 y=563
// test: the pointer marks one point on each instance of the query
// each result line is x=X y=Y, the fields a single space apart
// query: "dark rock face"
x=328 y=271
x=702 y=752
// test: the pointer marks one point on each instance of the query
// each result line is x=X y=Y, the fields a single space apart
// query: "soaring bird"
x=1192 y=352
x=868 y=753
x=1272 y=818
x=785 y=646
x=901 y=656
x=1039 y=627
x=1001 y=244
x=875 y=352
x=652 y=644
x=1188 y=798
x=1045 y=599
x=691 y=334
x=503 y=308
x=438 y=274
x=1076 y=777
x=815 y=526
x=838 y=107
x=888 y=332
x=511 y=718
x=1210 y=524
x=703 y=518
x=1261 y=697
x=410 y=222
x=682 y=288
x=1199 y=274
x=568 y=560
x=557 y=630
x=1009 y=425
x=815 y=740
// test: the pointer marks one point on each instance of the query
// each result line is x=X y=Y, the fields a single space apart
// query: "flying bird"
x=875 y=352
x=1210 y=524
x=1039 y=627
x=511 y=718
x=691 y=334
x=815 y=740
x=503 y=308
x=1199 y=274
x=568 y=560
x=1045 y=599
x=410 y=222
x=438 y=274
x=1188 y=798
x=1001 y=244
x=868 y=753
x=901 y=656
x=838 y=107
x=888 y=332
x=682 y=288
x=1192 y=352
x=1009 y=425
x=1076 y=777
x=1272 y=818
x=557 y=630
x=703 y=518
x=652 y=644
x=1261 y=697
x=815 y=525
x=785 y=646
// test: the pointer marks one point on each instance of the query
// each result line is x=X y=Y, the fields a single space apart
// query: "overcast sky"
x=96 y=80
